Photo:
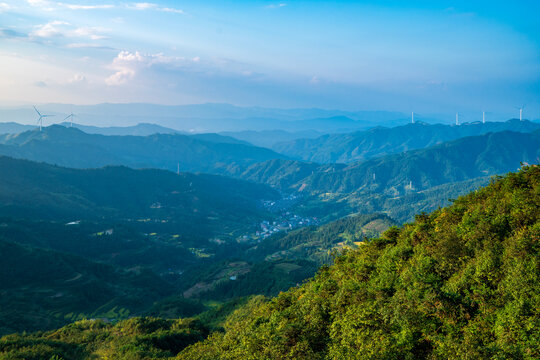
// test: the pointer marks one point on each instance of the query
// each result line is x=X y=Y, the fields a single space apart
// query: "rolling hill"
x=399 y=185
x=71 y=147
x=458 y=160
x=43 y=289
x=453 y=161
x=380 y=141
x=109 y=242
x=29 y=189
x=141 y=129
x=267 y=138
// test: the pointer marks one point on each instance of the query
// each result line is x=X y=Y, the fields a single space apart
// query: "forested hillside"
x=459 y=283
x=71 y=147
x=43 y=289
x=453 y=161
x=458 y=160
x=399 y=185
x=379 y=141
x=29 y=189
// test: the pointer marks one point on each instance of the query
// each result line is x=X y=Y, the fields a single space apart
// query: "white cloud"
x=4 y=7
x=86 y=7
x=127 y=64
x=51 y=29
x=152 y=6
x=171 y=10
x=77 y=79
x=53 y=5
x=59 y=28
x=275 y=6
x=38 y=2
x=120 y=77
x=126 y=56
x=93 y=33
x=144 y=6
x=43 y=4
x=88 y=46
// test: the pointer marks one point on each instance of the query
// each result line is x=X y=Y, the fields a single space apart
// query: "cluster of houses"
x=286 y=221
x=281 y=204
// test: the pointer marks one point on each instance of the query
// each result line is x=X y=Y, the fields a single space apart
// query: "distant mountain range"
x=403 y=184
x=458 y=160
x=268 y=138
x=15 y=128
x=71 y=147
x=363 y=145
x=209 y=117
x=141 y=129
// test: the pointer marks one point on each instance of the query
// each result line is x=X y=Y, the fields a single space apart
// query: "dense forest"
x=71 y=147
x=461 y=282
x=379 y=141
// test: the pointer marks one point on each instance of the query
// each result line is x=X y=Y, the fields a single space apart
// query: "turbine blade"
x=37 y=111
x=67 y=117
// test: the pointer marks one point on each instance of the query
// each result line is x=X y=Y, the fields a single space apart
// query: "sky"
x=423 y=56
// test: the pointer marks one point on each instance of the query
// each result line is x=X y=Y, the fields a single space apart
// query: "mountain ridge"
x=379 y=141
x=74 y=148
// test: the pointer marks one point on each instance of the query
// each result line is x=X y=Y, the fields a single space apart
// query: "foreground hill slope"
x=460 y=283
x=44 y=289
x=364 y=145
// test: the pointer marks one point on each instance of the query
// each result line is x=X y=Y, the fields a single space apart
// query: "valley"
x=261 y=224
x=247 y=180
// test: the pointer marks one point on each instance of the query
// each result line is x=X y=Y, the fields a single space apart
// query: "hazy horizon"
x=429 y=58
x=223 y=117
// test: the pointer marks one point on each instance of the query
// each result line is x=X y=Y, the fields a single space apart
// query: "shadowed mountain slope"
x=380 y=141
x=71 y=147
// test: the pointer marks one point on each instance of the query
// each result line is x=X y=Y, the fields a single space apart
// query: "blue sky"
x=427 y=56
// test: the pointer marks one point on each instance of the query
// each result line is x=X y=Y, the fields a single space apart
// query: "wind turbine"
x=457 y=118
x=70 y=117
x=40 y=120
x=412 y=117
x=521 y=112
x=484 y=113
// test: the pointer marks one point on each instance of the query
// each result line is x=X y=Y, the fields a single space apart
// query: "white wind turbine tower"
x=412 y=117
x=457 y=118
x=521 y=112
x=70 y=117
x=484 y=113
x=40 y=120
